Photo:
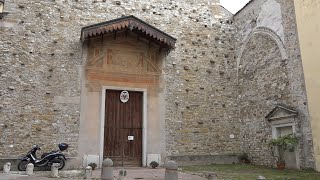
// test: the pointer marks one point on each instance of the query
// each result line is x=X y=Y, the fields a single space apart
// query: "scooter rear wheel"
x=23 y=165
x=61 y=162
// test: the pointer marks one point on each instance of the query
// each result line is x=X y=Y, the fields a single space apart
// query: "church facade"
x=141 y=81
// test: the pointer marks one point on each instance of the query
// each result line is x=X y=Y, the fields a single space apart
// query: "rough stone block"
x=54 y=170
x=6 y=167
x=107 y=169
x=171 y=170
x=88 y=172
x=29 y=170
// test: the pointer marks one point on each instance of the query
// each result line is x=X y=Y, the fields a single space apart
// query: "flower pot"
x=281 y=166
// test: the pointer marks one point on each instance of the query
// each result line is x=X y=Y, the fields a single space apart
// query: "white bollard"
x=6 y=167
x=29 y=170
x=122 y=174
x=54 y=170
x=212 y=176
x=88 y=174
x=171 y=170
x=260 y=178
x=107 y=170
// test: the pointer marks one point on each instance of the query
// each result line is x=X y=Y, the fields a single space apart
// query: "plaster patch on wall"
x=247 y=29
x=6 y=24
x=153 y=157
x=270 y=16
x=87 y=159
x=66 y=100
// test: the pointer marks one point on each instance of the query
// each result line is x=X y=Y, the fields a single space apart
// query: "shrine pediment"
x=133 y=24
x=281 y=112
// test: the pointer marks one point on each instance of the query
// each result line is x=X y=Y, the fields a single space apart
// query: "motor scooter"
x=47 y=159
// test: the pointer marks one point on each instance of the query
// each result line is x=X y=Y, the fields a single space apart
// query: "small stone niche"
x=283 y=122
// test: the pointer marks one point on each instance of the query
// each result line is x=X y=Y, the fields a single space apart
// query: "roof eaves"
x=132 y=18
x=243 y=7
x=225 y=9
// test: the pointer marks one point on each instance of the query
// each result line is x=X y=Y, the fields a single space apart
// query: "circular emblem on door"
x=124 y=96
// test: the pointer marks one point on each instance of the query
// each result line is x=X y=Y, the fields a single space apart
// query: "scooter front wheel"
x=22 y=166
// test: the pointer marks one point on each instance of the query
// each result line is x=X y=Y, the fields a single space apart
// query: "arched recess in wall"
x=263 y=82
x=265 y=31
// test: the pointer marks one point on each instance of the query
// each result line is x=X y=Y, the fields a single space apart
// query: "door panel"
x=289 y=157
x=123 y=120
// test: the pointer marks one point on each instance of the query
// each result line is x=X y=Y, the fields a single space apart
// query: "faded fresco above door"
x=124 y=59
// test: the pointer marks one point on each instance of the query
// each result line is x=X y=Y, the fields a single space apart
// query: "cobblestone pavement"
x=132 y=174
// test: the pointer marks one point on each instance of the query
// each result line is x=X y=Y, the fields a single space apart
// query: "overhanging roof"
x=132 y=23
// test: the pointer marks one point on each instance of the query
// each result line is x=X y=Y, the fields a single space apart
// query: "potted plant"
x=154 y=164
x=93 y=165
x=280 y=145
x=244 y=158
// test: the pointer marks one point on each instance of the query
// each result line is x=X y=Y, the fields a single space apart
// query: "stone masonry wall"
x=41 y=56
x=40 y=84
x=270 y=73
x=201 y=111
x=210 y=108
x=263 y=82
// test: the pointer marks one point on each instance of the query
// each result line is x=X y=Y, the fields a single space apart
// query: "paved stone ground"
x=132 y=174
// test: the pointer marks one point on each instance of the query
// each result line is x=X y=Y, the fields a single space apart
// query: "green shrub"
x=280 y=145
x=93 y=165
x=154 y=164
x=244 y=158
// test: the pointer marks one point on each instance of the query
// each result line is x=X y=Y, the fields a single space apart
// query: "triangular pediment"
x=281 y=112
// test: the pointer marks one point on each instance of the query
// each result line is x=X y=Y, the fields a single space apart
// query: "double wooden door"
x=123 y=128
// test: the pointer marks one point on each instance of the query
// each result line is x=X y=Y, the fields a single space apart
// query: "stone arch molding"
x=266 y=31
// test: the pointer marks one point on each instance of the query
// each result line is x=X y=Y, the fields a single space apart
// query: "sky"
x=233 y=5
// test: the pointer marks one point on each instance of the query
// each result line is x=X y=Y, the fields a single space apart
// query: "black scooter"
x=47 y=159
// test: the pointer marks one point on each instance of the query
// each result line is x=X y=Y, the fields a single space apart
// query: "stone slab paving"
x=132 y=174
x=39 y=175
x=150 y=174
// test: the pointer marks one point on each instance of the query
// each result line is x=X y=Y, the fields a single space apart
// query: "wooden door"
x=123 y=120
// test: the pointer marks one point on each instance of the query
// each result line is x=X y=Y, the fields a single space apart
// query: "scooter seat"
x=45 y=154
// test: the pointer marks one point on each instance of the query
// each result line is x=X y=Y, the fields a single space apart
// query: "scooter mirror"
x=36 y=146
